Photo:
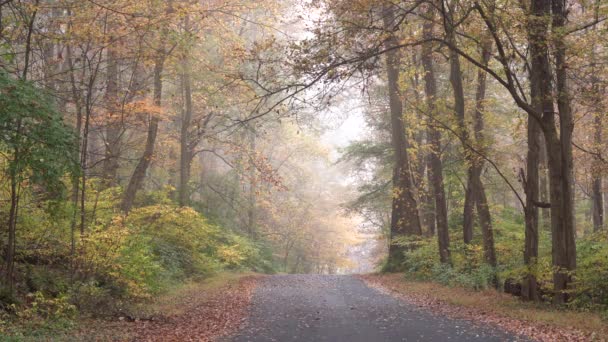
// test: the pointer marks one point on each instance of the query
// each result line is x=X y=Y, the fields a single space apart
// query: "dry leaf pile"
x=216 y=316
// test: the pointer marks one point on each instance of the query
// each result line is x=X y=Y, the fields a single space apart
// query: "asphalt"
x=343 y=308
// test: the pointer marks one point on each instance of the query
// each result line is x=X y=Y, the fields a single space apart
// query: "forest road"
x=344 y=308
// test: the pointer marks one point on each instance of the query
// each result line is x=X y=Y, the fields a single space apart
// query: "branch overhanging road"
x=344 y=308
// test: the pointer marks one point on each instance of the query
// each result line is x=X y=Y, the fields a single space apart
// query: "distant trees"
x=524 y=53
x=140 y=103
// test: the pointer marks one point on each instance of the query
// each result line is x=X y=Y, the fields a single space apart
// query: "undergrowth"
x=119 y=264
x=468 y=270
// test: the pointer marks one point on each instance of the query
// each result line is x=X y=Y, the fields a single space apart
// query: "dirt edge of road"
x=213 y=316
x=197 y=311
x=491 y=307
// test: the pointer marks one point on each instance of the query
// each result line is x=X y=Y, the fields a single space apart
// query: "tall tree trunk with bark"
x=564 y=245
x=252 y=195
x=405 y=220
x=468 y=217
x=459 y=110
x=435 y=163
x=428 y=198
x=542 y=102
x=475 y=195
x=80 y=142
x=185 y=160
x=531 y=187
x=543 y=181
x=476 y=166
x=562 y=210
x=597 y=192
x=112 y=121
x=139 y=174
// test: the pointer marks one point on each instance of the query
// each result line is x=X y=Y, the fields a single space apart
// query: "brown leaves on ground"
x=491 y=307
x=202 y=320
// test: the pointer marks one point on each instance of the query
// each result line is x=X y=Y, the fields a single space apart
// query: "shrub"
x=591 y=280
x=468 y=269
x=120 y=260
x=154 y=247
x=422 y=263
x=47 y=308
x=93 y=298
x=422 y=260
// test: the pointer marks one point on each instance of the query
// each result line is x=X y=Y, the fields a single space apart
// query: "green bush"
x=94 y=298
x=48 y=308
x=157 y=246
x=591 y=279
x=120 y=260
x=468 y=269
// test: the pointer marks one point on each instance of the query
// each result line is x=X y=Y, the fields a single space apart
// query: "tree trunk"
x=13 y=171
x=542 y=102
x=598 y=200
x=288 y=246
x=80 y=142
x=113 y=122
x=436 y=165
x=476 y=166
x=83 y=164
x=404 y=219
x=475 y=193
x=598 y=195
x=467 y=212
x=529 y=285
x=564 y=246
x=12 y=228
x=485 y=221
x=543 y=180
x=429 y=199
x=251 y=217
x=185 y=161
x=562 y=225
x=423 y=177
x=139 y=174
x=459 y=110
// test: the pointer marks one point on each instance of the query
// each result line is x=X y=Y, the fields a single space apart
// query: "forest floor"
x=196 y=311
x=540 y=322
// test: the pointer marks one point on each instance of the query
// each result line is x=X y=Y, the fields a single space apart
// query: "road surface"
x=343 y=308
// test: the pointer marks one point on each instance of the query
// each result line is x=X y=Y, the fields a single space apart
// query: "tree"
x=435 y=164
x=404 y=216
x=475 y=194
x=38 y=147
x=139 y=174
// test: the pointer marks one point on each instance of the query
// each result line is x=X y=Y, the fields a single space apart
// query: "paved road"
x=343 y=308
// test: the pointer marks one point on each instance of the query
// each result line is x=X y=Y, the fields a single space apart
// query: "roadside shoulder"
x=196 y=311
x=537 y=322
